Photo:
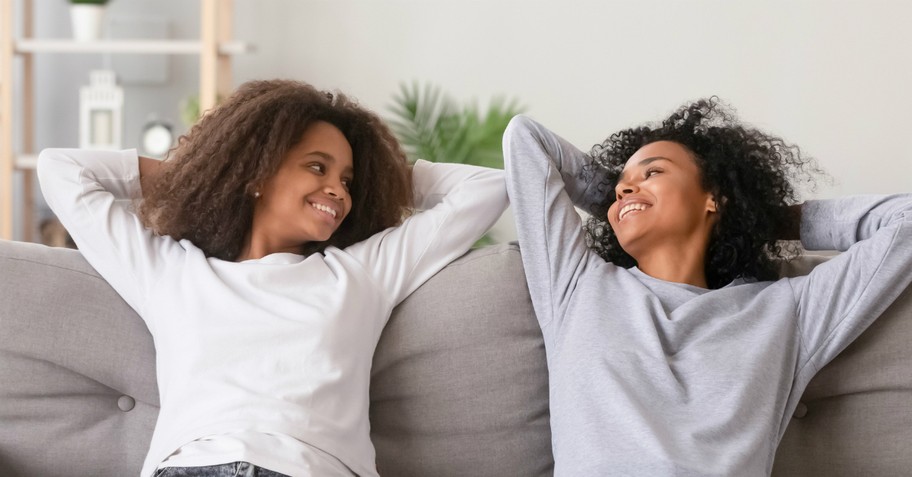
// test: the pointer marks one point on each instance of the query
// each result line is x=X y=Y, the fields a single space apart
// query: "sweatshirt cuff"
x=119 y=177
x=422 y=181
x=823 y=227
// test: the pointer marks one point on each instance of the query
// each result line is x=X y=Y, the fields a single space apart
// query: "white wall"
x=833 y=76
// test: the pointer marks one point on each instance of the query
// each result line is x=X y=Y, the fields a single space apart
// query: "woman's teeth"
x=630 y=208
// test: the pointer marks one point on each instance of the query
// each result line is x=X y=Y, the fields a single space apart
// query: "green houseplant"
x=433 y=127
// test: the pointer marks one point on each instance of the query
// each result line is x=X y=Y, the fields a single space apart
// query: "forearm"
x=840 y=223
x=578 y=173
x=433 y=183
x=458 y=204
x=69 y=175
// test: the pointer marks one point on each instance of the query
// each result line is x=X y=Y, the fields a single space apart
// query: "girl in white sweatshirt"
x=265 y=257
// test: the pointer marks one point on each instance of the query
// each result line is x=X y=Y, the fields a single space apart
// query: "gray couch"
x=459 y=385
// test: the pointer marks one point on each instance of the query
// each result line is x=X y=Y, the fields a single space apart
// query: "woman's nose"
x=624 y=188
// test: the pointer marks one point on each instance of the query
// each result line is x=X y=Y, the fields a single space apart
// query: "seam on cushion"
x=71 y=370
x=27 y=260
x=483 y=256
x=873 y=390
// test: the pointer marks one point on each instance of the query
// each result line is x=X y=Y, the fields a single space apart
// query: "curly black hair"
x=752 y=175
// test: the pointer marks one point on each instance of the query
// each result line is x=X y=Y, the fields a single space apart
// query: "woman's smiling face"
x=660 y=198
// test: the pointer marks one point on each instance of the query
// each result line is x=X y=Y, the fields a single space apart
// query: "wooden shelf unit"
x=214 y=48
x=140 y=47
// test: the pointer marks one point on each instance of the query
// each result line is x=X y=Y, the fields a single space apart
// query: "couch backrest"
x=77 y=369
x=458 y=386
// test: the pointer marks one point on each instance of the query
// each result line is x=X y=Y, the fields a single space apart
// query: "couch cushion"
x=855 y=417
x=459 y=384
x=77 y=368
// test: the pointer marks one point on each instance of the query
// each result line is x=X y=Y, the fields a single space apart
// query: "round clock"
x=157 y=138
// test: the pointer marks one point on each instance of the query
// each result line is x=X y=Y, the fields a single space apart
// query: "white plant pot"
x=87 y=21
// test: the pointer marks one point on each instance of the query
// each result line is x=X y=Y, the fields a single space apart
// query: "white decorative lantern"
x=101 y=112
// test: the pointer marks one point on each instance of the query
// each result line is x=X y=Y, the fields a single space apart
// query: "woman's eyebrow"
x=643 y=163
x=650 y=160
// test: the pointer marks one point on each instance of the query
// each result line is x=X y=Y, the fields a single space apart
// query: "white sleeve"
x=91 y=192
x=460 y=203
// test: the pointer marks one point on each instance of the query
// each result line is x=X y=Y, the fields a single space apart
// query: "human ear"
x=712 y=203
x=255 y=190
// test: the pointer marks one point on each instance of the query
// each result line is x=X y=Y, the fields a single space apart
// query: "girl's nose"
x=333 y=192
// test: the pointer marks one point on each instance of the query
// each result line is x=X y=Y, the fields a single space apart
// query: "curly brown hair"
x=204 y=192
x=754 y=174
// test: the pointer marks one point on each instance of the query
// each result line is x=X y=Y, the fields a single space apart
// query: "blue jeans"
x=235 y=469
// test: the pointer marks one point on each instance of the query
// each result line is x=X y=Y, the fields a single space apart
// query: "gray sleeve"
x=839 y=299
x=543 y=183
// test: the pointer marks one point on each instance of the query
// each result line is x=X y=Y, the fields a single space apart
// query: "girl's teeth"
x=323 y=208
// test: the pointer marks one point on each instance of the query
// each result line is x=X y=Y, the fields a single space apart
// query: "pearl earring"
x=256 y=195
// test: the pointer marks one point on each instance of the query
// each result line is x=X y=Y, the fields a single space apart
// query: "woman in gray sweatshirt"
x=672 y=347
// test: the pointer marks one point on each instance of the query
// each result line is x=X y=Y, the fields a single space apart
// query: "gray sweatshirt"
x=649 y=377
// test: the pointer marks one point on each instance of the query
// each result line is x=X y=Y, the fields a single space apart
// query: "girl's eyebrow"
x=329 y=157
x=324 y=155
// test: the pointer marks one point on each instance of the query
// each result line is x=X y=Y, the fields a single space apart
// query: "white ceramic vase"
x=87 y=21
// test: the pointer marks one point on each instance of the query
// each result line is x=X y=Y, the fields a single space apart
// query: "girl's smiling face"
x=308 y=197
x=661 y=200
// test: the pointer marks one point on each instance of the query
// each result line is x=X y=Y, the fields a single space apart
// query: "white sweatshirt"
x=266 y=361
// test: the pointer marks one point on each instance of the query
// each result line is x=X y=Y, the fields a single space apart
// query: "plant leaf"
x=430 y=126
